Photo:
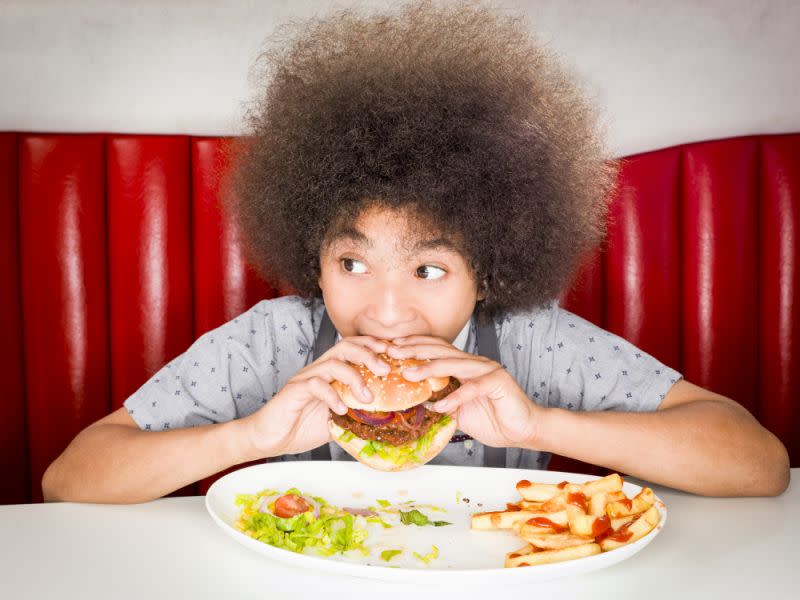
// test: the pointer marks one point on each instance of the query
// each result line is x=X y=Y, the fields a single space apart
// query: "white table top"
x=170 y=548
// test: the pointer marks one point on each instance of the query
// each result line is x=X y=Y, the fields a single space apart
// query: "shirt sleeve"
x=228 y=372
x=594 y=370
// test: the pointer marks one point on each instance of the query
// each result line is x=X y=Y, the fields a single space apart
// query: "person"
x=415 y=176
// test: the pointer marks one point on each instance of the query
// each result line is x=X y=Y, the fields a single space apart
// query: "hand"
x=490 y=406
x=296 y=418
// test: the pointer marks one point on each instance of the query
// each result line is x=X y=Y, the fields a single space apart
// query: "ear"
x=482 y=290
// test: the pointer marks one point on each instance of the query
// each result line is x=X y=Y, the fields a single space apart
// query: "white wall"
x=663 y=72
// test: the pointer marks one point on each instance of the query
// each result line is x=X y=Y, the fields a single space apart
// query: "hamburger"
x=395 y=431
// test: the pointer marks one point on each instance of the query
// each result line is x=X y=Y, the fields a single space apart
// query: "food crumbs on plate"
x=388 y=555
x=358 y=494
x=432 y=555
x=458 y=497
x=402 y=492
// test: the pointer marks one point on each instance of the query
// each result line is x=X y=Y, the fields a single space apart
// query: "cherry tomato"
x=290 y=505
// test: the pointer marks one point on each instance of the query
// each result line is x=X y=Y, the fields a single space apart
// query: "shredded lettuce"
x=333 y=531
x=346 y=436
x=409 y=452
x=432 y=555
x=388 y=555
x=414 y=517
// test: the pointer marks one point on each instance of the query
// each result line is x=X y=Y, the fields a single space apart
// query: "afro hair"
x=453 y=111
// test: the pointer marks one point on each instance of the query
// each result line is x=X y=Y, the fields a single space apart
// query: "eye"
x=430 y=272
x=352 y=265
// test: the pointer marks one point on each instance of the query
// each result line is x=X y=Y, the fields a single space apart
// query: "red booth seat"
x=116 y=256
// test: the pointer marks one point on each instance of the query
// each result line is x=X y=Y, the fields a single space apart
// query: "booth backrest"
x=116 y=256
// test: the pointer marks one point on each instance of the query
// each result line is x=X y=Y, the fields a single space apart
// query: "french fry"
x=552 y=556
x=607 y=484
x=637 y=529
x=516 y=554
x=538 y=492
x=499 y=519
x=617 y=523
x=583 y=524
x=554 y=541
x=555 y=522
x=598 y=502
x=572 y=520
x=639 y=504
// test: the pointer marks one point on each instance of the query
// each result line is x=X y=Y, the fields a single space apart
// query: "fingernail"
x=411 y=373
x=440 y=406
x=367 y=394
x=341 y=408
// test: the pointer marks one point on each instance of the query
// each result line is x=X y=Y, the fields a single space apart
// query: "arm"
x=696 y=441
x=114 y=461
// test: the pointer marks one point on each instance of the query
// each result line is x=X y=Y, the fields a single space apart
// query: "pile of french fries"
x=566 y=521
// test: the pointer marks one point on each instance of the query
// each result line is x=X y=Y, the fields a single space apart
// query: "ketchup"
x=601 y=525
x=578 y=499
x=545 y=522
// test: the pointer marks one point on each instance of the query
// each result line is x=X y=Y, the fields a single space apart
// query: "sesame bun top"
x=391 y=392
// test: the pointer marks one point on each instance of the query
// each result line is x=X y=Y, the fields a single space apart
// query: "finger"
x=453 y=401
x=460 y=368
x=420 y=339
x=426 y=351
x=322 y=390
x=331 y=369
x=376 y=345
x=358 y=354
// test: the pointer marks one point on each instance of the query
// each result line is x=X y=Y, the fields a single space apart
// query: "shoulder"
x=287 y=316
x=520 y=327
x=285 y=319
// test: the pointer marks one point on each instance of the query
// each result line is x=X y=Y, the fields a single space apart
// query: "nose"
x=391 y=308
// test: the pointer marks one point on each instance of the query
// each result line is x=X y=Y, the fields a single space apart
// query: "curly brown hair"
x=454 y=111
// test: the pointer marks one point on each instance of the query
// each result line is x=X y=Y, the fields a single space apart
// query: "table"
x=170 y=548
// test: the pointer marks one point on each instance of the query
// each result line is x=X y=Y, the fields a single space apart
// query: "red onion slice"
x=370 y=418
x=419 y=415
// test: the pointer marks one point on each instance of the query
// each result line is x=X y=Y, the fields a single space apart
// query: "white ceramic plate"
x=463 y=554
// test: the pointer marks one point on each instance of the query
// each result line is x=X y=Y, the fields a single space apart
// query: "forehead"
x=399 y=230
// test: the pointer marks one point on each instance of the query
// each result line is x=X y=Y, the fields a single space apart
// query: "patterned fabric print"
x=557 y=358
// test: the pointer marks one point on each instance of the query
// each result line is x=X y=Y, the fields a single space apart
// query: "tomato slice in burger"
x=370 y=417
x=290 y=505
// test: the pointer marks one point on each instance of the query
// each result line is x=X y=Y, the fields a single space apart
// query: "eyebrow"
x=436 y=244
x=349 y=233
x=353 y=234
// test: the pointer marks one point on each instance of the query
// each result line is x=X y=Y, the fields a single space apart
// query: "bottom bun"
x=354 y=446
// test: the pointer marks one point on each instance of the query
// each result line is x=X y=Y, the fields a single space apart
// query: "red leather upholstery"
x=115 y=257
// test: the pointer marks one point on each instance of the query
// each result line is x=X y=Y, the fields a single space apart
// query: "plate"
x=464 y=554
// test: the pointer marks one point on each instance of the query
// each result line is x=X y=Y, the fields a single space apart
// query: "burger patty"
x=391 y=433
x=446 y=390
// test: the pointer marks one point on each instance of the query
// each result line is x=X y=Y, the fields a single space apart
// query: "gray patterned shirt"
x=559 y=359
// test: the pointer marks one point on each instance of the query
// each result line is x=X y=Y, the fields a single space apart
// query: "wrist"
x=241 y=442
x=540 y=436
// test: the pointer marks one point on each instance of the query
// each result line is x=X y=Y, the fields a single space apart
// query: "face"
x=385 y=278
